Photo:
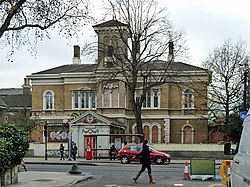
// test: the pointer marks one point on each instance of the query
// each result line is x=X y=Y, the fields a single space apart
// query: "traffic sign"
x=243 y=115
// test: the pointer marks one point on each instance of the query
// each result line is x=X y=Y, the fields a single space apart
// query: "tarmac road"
x=106 y=174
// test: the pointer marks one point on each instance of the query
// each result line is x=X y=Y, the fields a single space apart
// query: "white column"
x=182 y=135
x=167 y=130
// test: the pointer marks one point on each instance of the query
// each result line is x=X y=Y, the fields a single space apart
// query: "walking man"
x=61 y=149
x=145 y=161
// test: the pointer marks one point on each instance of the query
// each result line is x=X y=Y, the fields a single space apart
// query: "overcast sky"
x=207 y=24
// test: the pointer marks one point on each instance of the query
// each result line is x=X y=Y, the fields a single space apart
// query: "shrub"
x=14 y=144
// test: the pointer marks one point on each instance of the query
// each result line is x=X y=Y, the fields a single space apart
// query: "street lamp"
x=69 y=142
x=46 y=140
x=244 y=62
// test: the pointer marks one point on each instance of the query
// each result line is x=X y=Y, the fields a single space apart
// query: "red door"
x=89 y=145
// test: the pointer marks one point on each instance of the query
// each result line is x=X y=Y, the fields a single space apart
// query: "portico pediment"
x=90 y=118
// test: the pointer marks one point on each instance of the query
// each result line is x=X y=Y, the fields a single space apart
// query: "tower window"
x=110 y=51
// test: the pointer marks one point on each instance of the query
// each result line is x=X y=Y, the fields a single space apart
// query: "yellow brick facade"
x=170 y=122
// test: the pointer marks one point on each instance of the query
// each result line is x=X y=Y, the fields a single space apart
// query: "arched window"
x=187 y=133
x=48 y=100
x=110 y=96
x=154 y=134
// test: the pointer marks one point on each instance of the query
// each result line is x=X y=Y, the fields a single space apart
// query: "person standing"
x=112 y=152
x=74 y=151
x=61 y=149
x=23 y=164
x=145 y=161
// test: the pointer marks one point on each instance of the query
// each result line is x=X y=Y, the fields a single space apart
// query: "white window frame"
x=187 y=95
x=45 y=100
x=149 y=102
x=78 y=96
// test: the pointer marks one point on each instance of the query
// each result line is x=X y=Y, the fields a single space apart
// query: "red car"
x=127 y=152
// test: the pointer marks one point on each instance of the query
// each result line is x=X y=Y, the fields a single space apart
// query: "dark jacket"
x=112 y=150
x=61 y=149
x=74 y=149
x=145 y=155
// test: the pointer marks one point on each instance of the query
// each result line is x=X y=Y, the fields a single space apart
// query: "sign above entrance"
x=89 y=119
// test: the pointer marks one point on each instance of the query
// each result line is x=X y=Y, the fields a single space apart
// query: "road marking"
x=113 y=185
x=213 y=185
x=178 y=185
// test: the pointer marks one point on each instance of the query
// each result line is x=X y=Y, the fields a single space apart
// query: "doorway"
x=89 y=145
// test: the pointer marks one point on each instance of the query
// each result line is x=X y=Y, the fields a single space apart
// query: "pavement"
x=64 y=179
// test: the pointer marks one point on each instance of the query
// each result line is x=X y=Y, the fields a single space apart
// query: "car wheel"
x=124 y=160
x=159 y=160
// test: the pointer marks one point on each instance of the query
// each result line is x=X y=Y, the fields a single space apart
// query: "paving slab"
x=49 y=179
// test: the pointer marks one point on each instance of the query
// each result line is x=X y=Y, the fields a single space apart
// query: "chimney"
x=171 y=51
x=26 y=87
x=76 y=58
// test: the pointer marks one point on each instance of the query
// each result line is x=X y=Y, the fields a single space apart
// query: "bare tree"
x=144 y=51
x=23 y=20
x=225 y=95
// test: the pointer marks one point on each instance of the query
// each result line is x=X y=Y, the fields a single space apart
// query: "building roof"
x=11 y=91
x=175 y=66
x=110 y=23
x=16 y=101
x=69 y=68
x=81 y=68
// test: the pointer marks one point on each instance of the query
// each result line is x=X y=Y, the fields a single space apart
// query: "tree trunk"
x=136 y=109
x=2 y=178
x=138 y=121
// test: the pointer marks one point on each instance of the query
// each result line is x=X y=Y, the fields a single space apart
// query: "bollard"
x=75 y=169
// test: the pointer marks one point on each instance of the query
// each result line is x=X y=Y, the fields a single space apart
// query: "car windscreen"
x=133 y=148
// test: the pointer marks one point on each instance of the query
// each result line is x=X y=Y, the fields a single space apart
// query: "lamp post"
x=45 y=136
x=69 y=142
x=244 y=62
x=245 y=91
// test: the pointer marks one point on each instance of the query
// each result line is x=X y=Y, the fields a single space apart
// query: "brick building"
x=15 y=102
x=174 y=112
